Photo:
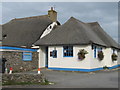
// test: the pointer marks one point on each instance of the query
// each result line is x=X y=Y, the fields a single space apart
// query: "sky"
x=105 y=13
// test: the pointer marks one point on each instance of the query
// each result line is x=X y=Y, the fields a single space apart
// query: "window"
x=50 y=27
x=96 y=49
x=115 y=51
x=53 y=54
x=27 y=56
x=68 y=51
x=4 y=36
x=99 y=49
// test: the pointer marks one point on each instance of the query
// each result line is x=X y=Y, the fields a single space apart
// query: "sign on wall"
x=27 y=56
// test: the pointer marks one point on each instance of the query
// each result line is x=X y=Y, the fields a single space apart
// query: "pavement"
x=61 y=79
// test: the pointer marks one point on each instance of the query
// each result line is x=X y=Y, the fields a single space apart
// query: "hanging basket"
x=81 y=54
x=114 y=57
x=100 y=55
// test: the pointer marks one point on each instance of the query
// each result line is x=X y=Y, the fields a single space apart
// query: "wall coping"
x=17 y=48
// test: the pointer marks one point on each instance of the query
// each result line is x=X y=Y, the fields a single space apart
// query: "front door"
x=46 y=56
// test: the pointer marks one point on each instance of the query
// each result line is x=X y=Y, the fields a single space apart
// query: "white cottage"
x=73 y=46
x=78 y=46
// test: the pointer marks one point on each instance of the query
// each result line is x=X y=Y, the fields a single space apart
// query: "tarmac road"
x=101 y=79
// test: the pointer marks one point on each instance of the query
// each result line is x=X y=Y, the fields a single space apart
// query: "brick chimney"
x=52 y=14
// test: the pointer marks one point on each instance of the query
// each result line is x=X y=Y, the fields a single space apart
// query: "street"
x=101 y=79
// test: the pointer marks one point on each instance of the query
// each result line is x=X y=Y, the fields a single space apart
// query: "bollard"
x=10 y=70
x=6 y=71
x=38 y=70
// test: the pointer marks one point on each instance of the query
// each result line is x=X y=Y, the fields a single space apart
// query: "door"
x=46 y=57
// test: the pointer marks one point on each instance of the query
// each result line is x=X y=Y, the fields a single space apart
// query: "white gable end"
x=48 y=29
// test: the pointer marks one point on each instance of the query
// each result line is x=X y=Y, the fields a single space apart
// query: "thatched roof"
x=103 y=35
x=24 y=31
x=75 y=32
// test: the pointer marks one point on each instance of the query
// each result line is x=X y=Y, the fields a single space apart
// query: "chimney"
x=52 y=14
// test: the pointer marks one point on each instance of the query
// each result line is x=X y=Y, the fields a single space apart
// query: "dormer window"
x=4 y=36
x=50 y=27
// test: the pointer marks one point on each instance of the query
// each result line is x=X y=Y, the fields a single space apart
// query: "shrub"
x=114 y=57
x=100 y=55
x=81 y=54
x=105 y=67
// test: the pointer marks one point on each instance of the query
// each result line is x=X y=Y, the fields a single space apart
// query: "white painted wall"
x=113 y=63
x=107 y=61
x=42 y=57
x=73 y=62
x=35 y=47
x=48 y=29
x=69 y=62
x=118 y=57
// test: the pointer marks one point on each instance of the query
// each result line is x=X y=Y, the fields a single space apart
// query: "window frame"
x=54 y=52
x=69 y=51
x=96 y=49
x=114 y=51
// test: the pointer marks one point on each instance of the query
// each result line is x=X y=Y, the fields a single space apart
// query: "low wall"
x=18 y=78
x=14 y=60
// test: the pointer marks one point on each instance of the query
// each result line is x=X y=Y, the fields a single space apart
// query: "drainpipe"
x=39 y=57
x=39 y=60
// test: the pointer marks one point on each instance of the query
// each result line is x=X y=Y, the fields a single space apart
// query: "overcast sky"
x=105 y=13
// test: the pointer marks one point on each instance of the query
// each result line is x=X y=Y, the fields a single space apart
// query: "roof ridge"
x=93 y=23
x=28 y=17
x=78 y=23
x=76 y=19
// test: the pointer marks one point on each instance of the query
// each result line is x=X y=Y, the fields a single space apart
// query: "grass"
x=46 y=82
x=11 y=82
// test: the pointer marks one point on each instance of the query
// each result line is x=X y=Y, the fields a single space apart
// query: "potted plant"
x=114 y=57
x=100 y=55
x=81 y=54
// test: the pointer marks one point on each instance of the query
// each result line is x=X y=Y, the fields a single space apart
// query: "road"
x=101 y=79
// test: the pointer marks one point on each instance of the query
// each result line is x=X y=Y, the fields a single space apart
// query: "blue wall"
x=83 y=70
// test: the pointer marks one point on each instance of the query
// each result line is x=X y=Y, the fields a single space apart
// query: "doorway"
x=46 y=57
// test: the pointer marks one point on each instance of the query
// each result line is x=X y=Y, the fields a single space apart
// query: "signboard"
x=27 y=56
